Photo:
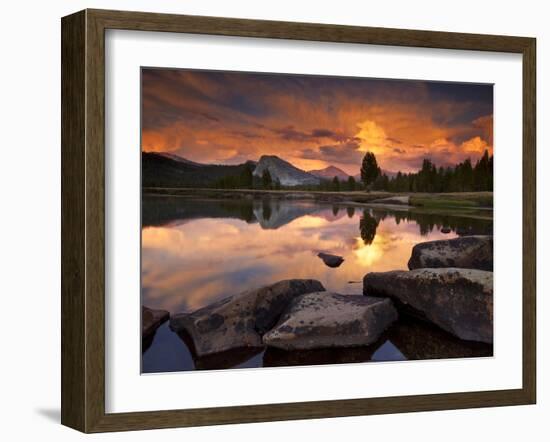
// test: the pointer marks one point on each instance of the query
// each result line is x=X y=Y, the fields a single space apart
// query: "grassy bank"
x=452 y=200
x=424 y=200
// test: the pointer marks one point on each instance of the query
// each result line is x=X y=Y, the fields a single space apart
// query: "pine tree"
x=369 y=169
x=336 y=184
x=245 y=178
x=351 y=183
x=266 y=179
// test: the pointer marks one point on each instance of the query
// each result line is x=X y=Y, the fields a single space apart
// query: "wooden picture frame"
x=83 y=220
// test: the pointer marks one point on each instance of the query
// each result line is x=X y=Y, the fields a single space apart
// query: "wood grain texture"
x=73 y=129
x=144 y=21
x=95 y=222
x=83 y=220
x=529 y=221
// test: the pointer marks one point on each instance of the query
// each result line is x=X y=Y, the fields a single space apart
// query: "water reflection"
x=195 y=252
x=367 y=227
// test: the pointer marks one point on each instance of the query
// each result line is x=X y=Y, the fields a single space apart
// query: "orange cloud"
x=313 y=122
x=372 y=138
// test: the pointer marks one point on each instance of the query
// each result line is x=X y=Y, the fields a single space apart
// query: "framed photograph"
x=267 y=220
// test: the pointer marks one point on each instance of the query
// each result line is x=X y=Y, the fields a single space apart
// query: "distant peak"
x=177 y=158
x=330 y=172
x=283 y=171
x=270 y=157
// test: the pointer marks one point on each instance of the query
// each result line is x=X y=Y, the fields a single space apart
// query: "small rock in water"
x=326 y=320
x=331 y=260
x=459 y=301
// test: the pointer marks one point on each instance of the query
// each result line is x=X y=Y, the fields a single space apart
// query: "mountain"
x=328 y=173
x=161 y=170
x=286 y=173
x=179 y=159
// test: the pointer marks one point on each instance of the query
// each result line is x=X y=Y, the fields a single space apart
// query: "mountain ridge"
x=329 y=172
x=286 y=173
x=159 y=170
x=166 y=169
x=178 y=158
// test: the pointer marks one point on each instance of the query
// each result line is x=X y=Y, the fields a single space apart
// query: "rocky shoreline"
x=449 y=286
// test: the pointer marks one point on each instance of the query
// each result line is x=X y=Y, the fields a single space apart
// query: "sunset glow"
x=314 y=121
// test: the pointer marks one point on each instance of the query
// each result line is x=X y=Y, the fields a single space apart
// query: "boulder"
x=151 y=319
x=331 y=260
x=459 y=301
x=240 y=320
x=468 y=252
x=324 y=320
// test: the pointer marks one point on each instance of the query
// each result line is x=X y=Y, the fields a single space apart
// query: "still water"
x=195 y=252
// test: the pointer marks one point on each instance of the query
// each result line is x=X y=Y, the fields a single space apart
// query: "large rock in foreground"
x=240 y=320
x=324 y=320
x=151 y=319
x=459 y=301
x=468 y=252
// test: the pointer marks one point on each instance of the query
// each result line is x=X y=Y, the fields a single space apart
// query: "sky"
x=220 y=117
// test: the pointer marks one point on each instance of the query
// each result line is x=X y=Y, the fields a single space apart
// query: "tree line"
x=463 y=177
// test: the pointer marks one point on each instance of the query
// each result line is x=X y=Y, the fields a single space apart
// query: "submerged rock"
x=459 y=301
x=226 y=359
x=323 y=320
x=276 y=357
x=151 y=319
x=240 y=320
x=420 y=340
x=469 y=252
x=331 y=260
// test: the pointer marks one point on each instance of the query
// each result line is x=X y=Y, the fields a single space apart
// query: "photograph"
x=295 y=220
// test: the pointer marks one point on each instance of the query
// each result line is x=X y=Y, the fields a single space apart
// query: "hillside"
x=160 y=170
x=284 y=172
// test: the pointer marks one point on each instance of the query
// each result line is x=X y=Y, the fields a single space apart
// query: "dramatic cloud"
x=341 y=153
x=313 y=121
